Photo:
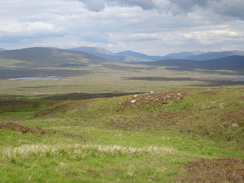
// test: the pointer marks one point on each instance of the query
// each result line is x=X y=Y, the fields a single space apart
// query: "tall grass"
x=78 y=150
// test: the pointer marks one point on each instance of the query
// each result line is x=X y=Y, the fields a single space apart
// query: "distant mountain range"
x=181 y=55
x=61 y=62
x=214 y=55
x=197 y=55
x=131 y=56
x=139 y=55
x=234 y=63
x=103 y=53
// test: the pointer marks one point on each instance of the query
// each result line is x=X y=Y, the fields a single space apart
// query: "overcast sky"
x=154 y=27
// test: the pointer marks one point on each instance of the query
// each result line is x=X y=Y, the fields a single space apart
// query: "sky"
x=153 y=27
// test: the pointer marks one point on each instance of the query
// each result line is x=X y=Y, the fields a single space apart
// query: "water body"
x=35 y=78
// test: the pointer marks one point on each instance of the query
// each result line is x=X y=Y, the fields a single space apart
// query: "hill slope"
x=174 y=136
x=40 y=62
x=214 y=55
x=139 y=55
x=180 y=55
x=235 y=63
x=49 y=57
x=202 y=56
x=103 y=53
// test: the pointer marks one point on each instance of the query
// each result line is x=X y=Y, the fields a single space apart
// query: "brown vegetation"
x=233 y=118
x=213 y=171
x=37 y=130
x=162 y=98
x=159 y=121
x=23 y=129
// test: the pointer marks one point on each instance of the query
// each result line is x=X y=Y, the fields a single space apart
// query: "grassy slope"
x=115 y=140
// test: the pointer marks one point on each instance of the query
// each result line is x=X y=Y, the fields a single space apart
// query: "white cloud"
x=154 y=26
x=211 y=37
x=26 y=28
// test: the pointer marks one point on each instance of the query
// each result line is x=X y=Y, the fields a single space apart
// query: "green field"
x=179 y=135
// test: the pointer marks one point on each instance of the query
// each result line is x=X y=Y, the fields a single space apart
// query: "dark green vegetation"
x=183 y=135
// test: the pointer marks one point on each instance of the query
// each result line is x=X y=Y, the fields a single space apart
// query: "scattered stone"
x=133 y=101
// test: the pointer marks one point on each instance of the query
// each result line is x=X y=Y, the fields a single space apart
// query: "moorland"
x=69 y=116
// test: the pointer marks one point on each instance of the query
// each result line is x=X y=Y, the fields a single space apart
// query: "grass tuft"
x=60 y=150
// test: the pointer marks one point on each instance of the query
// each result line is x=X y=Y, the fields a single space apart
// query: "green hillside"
x=49 y=57
x=184 y=135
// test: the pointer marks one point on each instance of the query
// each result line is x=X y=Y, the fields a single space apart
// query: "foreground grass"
x=172 y=136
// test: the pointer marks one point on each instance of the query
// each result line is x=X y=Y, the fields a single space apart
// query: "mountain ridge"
x=103 y=53
x=132 y=56
x=49 y=57
x=214 y=55
x=139 y=55
x=234 y=62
